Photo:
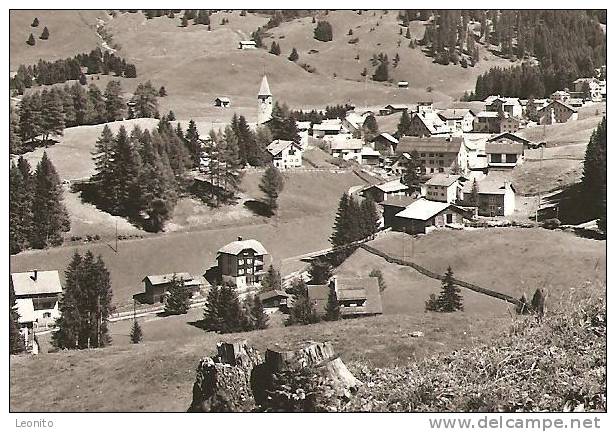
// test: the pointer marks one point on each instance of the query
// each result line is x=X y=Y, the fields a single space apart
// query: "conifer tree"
x=83 y=80
x=370 y=127
x=369 y=218
x=538 y=302
x=31 y=41
x=320 y=271
x=136 y=334
x=377 y=273
x=70 y=322
x=45 y=34
x=16 y=341
x=232 y=315
x=52 y=115
x=30 y=118
x=275 y=48
x=594 y=179
x=381 y=72
x=184 y=21
x=302 y=312
x=271 y=280
x=294 y=56
x=126 y=169
x=474 y=199
x=449 y=299
x=323 y=31
x=162 y=91
x=212 y=316
x=257 y=313
x=340 y=235
x=177 y=301
x=35 y=22
x=192 y=142
x=404 y=126
x=96 y=108
x=411 y=174
x=145 y=100
x=15 y=144
x=50 y=218
x=114 y=103
x=20 y=206
x=272 y=184
x=332 y=308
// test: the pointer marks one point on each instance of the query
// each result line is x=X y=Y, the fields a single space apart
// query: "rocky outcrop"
x=309 y=378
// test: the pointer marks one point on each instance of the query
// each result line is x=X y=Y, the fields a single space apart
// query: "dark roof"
x=504 y=147
x=429 y=144
x=357 y=289
x=273 y=294
x=318 y=296
x=508 y=136
x=454 y=113
x=398 y=201
x=569 y=107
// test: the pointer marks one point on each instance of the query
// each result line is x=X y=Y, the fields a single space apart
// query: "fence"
x=431 y=274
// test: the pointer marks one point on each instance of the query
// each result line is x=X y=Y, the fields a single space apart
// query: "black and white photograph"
x=308 y=211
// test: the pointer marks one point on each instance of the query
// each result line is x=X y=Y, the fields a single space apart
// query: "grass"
x=507 y=260
x=71 y=32
x=574 y=132
x=157 y=375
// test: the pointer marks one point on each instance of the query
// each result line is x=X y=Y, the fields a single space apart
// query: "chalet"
x=458 y=120
x=276 y=299
x=508 y=137
x=509 y=124
x=385 y=191
x=403 y=84
x=496 y=196
x=392 y=207
x=157 y=286
x=222 y=101
x=247 y=44
x=393 y=108
x=487 y=122
x=442 y=187
x=285 y=154
x=242 y=262
x=357 y=296
x=385 y=142
x=507 y=105
x=347 y=148
x=399 y=164
x=533 y=106
x=36 y=295
x=427 y=123
x=354 y=122
x=557 y=112
x=576 y=102
x=474 y=147
x=504 y=153
x=437 y=154
x=594 y=88
x=561 y=96
x=423 y=216
x=369 y=156
x=328 y=128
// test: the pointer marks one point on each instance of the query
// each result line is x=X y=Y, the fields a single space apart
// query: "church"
x=265 y=102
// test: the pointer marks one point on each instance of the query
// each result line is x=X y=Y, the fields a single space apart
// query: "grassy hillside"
x=71 y=32
x=507 y=260
x=574 y=132
x=158 y=375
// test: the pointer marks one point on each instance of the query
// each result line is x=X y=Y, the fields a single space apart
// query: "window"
x=441 y=170
x=422 y=155
x=431 y=155
x=248 y=260
x=441 y=162
x=46 y=314
x=240 y=262
x=292 y=151
x=449 y=218
x=240 y=271
x=511 y=158
x=495 y=158
x=249 y=271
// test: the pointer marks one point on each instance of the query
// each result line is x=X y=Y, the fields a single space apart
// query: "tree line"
x=47 y=113
x=37 y=216
x=594 y=179
x=60 y=71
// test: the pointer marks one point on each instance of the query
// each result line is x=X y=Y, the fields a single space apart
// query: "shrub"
x=551 y=224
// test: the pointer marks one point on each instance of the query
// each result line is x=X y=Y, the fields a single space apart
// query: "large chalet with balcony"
x=242 y=263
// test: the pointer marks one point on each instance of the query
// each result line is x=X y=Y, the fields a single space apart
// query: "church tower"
x=265 y=102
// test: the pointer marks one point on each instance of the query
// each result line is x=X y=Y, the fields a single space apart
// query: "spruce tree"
x=115 y=105
x=127 y=169
x=323 y=31
x=340 y=235
x=450 y=299
x=162 y=92
x=20 y=206
x=45 y=34
x=594 y=179
x=177 y=301
x=320 y=271
x=275 y=48
x=31 y=41
x=16 y=341
x=232 y=314
x=271 y=280
x=35 y=22
x=332 y=308
x=212 y=314
x=193 y=143
x=96 y=108
x=381 y=72
x=369 y=218
x=370 y=128
x=474 y=199
x=404 y=126
x=272 y=184
x=294 y=56
x=50 y=218
x=257 y=313
x=145 y=100
x=52 y=115
x=70 y=321
x=538 y=302
x=136 y=335
x=302 y=312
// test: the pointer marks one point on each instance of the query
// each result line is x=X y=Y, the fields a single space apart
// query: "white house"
x=458 y=120
x=347 y=148
x=303 y=130
x=496 y=196
x=285 y=154
x=248 y=44
x=442 y=187
x=328 y=128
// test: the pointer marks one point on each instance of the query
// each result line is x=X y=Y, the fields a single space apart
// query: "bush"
x=323 y=31
x=551 y=224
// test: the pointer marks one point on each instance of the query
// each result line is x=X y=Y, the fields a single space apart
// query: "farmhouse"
x=328 y=128
x=509 y=137
x=369 y=156
x=392 y=207
x=437 y=154
x=353 y=123
x=276 y=299
x=247 y=44
x=423 y=216
x=393 y=108
x=222 y=101
x=557 y=112
x=385 y=142
x=157 y=286
x=508 y=105
x=36 y=296
x=347 y=148
x=487 y=122
x=561 y=96
x=458 y=120
x=504 y=154
x=357 y=297
x=442 y=187
x=593 y=89
x=285 y=154
x=426 y=122
x=496 y=196
x=242 y=262
x=385 y=191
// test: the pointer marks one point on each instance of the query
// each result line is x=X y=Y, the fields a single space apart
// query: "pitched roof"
x=234 y=248
x=347 y=144
x=277 y=146
x=223 y=99
x=504 y=147
x=488 y=186
x=47 y=282
x=359 y=288
x=569 y=107
x=441 y=179
x=423 y=209
x=432 y=122
x=166 y=278
x=389 y=138
x=402 y=201
x=264 y=90
x=508 y=136
x=369 y=151
x=390 y=186
x=318 y=294
x=397 y=106
x=492 y=114
x=273 y=294
x=443 y=144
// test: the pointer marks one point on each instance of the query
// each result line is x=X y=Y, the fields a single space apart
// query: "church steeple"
x=265 y=102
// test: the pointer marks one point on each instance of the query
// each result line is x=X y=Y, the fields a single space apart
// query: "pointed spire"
x=264 y=90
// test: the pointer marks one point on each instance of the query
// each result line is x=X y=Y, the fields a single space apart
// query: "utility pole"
x=116 y=235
